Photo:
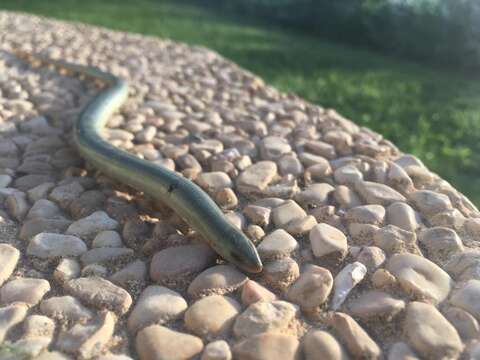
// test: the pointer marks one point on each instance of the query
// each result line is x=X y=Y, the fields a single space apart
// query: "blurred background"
x=408 y=69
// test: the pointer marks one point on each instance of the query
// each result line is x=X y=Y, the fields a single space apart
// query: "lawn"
x=432 y=113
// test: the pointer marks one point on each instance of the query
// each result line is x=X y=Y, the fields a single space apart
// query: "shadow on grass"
x=431 y=113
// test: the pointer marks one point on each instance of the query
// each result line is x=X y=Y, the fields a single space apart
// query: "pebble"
x=156 y=305
x=32 y=227
x=393 y=239
x=66 y=269
x=17 y=205
x=40 y=191
x=226 y=198
x=420 y=277
x=9 y=257
x=158 y=342
x=467 y=297
x=51 y=246
x=217 y=350
x=94 y=270
x=263 y=316
x=345 y=197
x=403 y=216
x=464 y=265
x=375 y=193
x=281 y=273
x=258 y=214
x=91 y=225
x=372 y=257
x=65 y=308
x=326 y=239
x=255 y=179
x=135 y=272
x=375 y=304
x=267 y=346
x=401 y=351
x=354 y=337
x=220 y=280
x=253 y=292
x=345 y=281
x=10 y=316
x=165 y=266
x=107 y=238
x=105 y=255
x=302 y=226
x=273 y=147
x=312 y=288
x=317 y=342
x=44 y=208
x=430 y=202
x=286 y=213
x=64 y=195
x=100 y=293
x=87 y=203
x=276 y=245
x=88 y=340
x=214 y=181
x=429 y=333
x=441 y=243
x=315 y=195
x=289 y=164
x=366 y=214
x=38 y=326
x=467 y=326
x=212 y=316
x=348 y=174
x=5 y=180
x=27 y=290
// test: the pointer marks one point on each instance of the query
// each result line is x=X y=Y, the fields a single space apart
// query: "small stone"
x=467 y=326
x=403 y=216
x=38 y=326
x=51 y=246
x=326 y=239
x=156 y=305
x=91 y=225
x=10 y=316
x=345 y=281
x=135 y=272
x=64 y=195
x=441 y=243
x=220 y=279
x=274 y=316
x=107 y=238
x=372 y=257
x=375 y=193
x=314 y=195
x=158 y=342
x=420 y=277
x=467 y=297
x=217 y=350
x=375 y=304
x=430 y=202
x=382 y=278
x=105 y=254
x=65 y=308
x=27 y=290
x=87 y=203
x=5 y=180
x=289 y=164
x=253 y=292
x=17 y=205
x=100 y=293
x=88 y=340
x=345 y=197
x=40 y=192
x=214 y=181
x=354 y=337
x=226 y=198
x=9 y=257
x=312 y=288
x=464 y=265
x=44 y=208
x=36 y=226
x=393 y=239
x=212 y=316
x=362 y=234
x=366 y=214
x=92 y=270
x=317 y=342
x=348 y=174
x=281 y=273
x=301 y=226
x=276 y=245
x=66 y=270
x=401 y=351
x=273 y=147
x=258 y=214
x=286 y=213
x=255 y=179
x=268 y=346
x=165 y=266
x=429 y=333
x=255 y=233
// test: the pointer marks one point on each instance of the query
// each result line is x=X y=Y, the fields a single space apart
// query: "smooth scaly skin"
x=182 y=195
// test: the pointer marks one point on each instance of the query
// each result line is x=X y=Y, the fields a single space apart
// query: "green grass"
x=431 y=113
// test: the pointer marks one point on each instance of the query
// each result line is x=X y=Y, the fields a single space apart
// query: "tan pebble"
x=326 y=239
x=156 y=305
x=393 y=239
x=276 y=245
x=262 y=316
x=375 y=304
x=467 y=326
x=354 y=337
x=134 y=272
x=375 y=193
x=212 y=316
x=157 y=342
x=65 y=308
x=9 y=257
x=255 y=179
x=372 y=257
x=255 y=233
x=366 y=214
x=258 y=214
x=27 y=290
x=382 y=278
x=362 y=234
x=429 y=202
x=401 y=351
x=280 y=274
x=348 y=174
x=267 y=346
x=226 y=198
x=17 y=205
x=289 y=164
x=464 y=265
x=253 y=292
x=66 y=269
x=429 y=333
x=321 y=343
x=286 y=213
x=217 y=350
x=403 y=216
x=441 y=243
x=273 y=147
x=88 y=340
x=51 y=246
x=214 y=181
x=38 y=326
x=301 y=226
x=467 y=297
x=10 y=316
x=420 y=277
x=345 y=197
x=105 y=255
x=220 y=279
x=312 y=288
x=314 y=195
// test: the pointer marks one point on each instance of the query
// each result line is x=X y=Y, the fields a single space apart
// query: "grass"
x=431 y=113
